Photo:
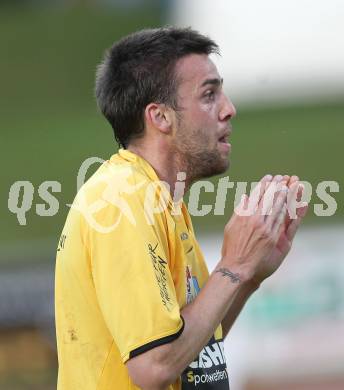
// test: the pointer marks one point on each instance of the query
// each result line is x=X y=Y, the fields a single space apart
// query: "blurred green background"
x=50 y=125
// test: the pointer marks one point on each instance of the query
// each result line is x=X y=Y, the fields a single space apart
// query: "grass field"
x=50 y=123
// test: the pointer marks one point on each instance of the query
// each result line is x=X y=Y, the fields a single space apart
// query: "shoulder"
x=121 y=194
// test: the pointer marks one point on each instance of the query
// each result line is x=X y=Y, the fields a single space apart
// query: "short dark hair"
x=140 y=69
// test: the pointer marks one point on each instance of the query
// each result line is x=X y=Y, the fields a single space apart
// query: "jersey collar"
x=150 y=172
x=132 y=157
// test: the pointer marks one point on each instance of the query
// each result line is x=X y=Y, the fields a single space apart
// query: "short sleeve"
x=133 y=281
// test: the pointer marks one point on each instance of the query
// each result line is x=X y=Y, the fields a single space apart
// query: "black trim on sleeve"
x=157 y=343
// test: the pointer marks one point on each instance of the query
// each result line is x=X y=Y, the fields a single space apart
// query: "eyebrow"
x=215 y=81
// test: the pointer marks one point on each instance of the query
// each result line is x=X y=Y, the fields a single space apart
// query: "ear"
x=159 y=116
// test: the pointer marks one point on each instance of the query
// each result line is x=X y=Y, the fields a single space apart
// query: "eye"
x=209 y=95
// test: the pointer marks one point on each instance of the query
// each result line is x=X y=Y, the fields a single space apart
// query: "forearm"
x=220 y=301
x=237 y=305
x=201 y=318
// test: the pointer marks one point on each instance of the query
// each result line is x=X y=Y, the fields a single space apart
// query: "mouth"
x=223 y=143
x=223 y=139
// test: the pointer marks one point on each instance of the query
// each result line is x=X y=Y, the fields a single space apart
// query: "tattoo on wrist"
x=235 y=278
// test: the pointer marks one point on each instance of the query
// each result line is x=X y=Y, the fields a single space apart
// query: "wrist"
x=239 y=275
x=251 y=286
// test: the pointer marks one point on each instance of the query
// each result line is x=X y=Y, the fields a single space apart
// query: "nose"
x=227 y=110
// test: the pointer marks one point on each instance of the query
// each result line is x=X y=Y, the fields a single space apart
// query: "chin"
x=205 y=163
x=217 y=167
x=223 y=167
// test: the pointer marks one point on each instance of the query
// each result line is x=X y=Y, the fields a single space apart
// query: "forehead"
x=194 y=69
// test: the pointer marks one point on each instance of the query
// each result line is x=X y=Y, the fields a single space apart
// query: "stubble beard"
x=207 y=163
x=199 y=161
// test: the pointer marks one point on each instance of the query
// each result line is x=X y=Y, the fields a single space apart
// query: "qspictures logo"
x=118 y=188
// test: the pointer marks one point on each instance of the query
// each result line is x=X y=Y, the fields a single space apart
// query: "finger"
x=277 y=207
x=294 y=199
x=293 y=179
x=302 y=210
x=242 y=208
x=295 y=223
x=279 y=221
x=291 y=184
x=271 y=195
x=300 y=191
x=256 y=194
x=286 y=178
x=259 y=189
x=268 y=195
x=267 y=184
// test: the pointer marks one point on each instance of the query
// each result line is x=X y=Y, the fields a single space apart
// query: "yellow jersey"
x=127 y=263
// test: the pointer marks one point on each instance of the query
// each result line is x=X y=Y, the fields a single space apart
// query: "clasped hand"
x=260 y=233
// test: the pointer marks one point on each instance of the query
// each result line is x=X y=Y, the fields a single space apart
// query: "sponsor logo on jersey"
x=209 y=370
x=192 y=286
x=207 y=380
x=160 y=265
x=184 y=236
x=211 y=355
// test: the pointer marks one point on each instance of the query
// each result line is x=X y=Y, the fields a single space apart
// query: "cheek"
x=203 y=116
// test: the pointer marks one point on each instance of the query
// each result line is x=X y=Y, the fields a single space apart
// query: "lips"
x=224 y=137
x=223 y=143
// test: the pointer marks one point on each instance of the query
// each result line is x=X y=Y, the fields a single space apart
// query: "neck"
x=167 y=164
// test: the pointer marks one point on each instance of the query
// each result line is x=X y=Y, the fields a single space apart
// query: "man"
x=135 y=305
